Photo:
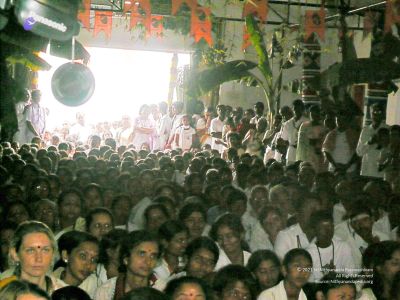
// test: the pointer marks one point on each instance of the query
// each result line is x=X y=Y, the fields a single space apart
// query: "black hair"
x=170 y=228
x=382 y=252
x=229 y=275
x=95 y=211
x=202 y=243
x=145 y=293
x=70 y=293
x=230 y=220
x=259 y=256
x=175 y=284
x=320 y=216
x=70 y=191
x=190 y=208
x=111 y=240
x=18 y=288
x=72 y=239
x=266 y=210
x=333 y=281
x=131 y=241
x=294 y=253
x=158 y=206
x=118 y=198
x=235 y=196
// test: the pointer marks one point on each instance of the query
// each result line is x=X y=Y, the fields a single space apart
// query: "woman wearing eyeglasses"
x=99 y=221
x=79 y=253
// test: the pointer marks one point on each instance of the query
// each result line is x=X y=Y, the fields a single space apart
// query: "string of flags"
x=201 y=24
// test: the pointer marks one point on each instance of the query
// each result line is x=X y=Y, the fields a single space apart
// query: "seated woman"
x=228 y=232
x=202 y=256
x=234 y=282
x=194 y=216
x=99 y=221
x=264 y=233
x=70 y=205
x=20 y=289
x=297 y=268
x=384 y=259
x=139 y=254
x=33 y=248
x=174 y=238
x=266 y=267
x=79 y=253
x=155 y=215
x=188 y=288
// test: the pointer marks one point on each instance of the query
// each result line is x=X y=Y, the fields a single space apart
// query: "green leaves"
x=206 y=80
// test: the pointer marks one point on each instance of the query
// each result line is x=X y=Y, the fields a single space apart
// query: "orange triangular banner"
x=176 y=4
x=315 y=23
x=84 y=16
x=201 y=28
x=140 y=14
x=258 y=8
x=103 y=22
x=392 y=14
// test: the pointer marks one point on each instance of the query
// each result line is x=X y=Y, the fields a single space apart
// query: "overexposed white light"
x=125 y=79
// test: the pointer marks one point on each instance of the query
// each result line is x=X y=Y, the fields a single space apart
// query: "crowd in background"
x=212 y=205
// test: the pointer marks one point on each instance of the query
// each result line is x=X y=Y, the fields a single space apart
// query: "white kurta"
x=89 y=285
x=289 y=133
x=278 y=292
x=370 y=155
x=341 y=255
x=216 y=126
x=290 y=238
x=224 y=260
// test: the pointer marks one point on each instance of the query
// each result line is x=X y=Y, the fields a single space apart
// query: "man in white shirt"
x=216 y=127
x=176 y=121
x=358 y=231
x=259 y=111
x=35 y=116
x=390 y=221
x=367 y=146
x=300 y=234
x=340 y=145
x=80 y=133
x=290 y=131
x=163 y=126
x=329 y=253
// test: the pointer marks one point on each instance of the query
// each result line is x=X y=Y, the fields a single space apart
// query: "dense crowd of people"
x=203 y=206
